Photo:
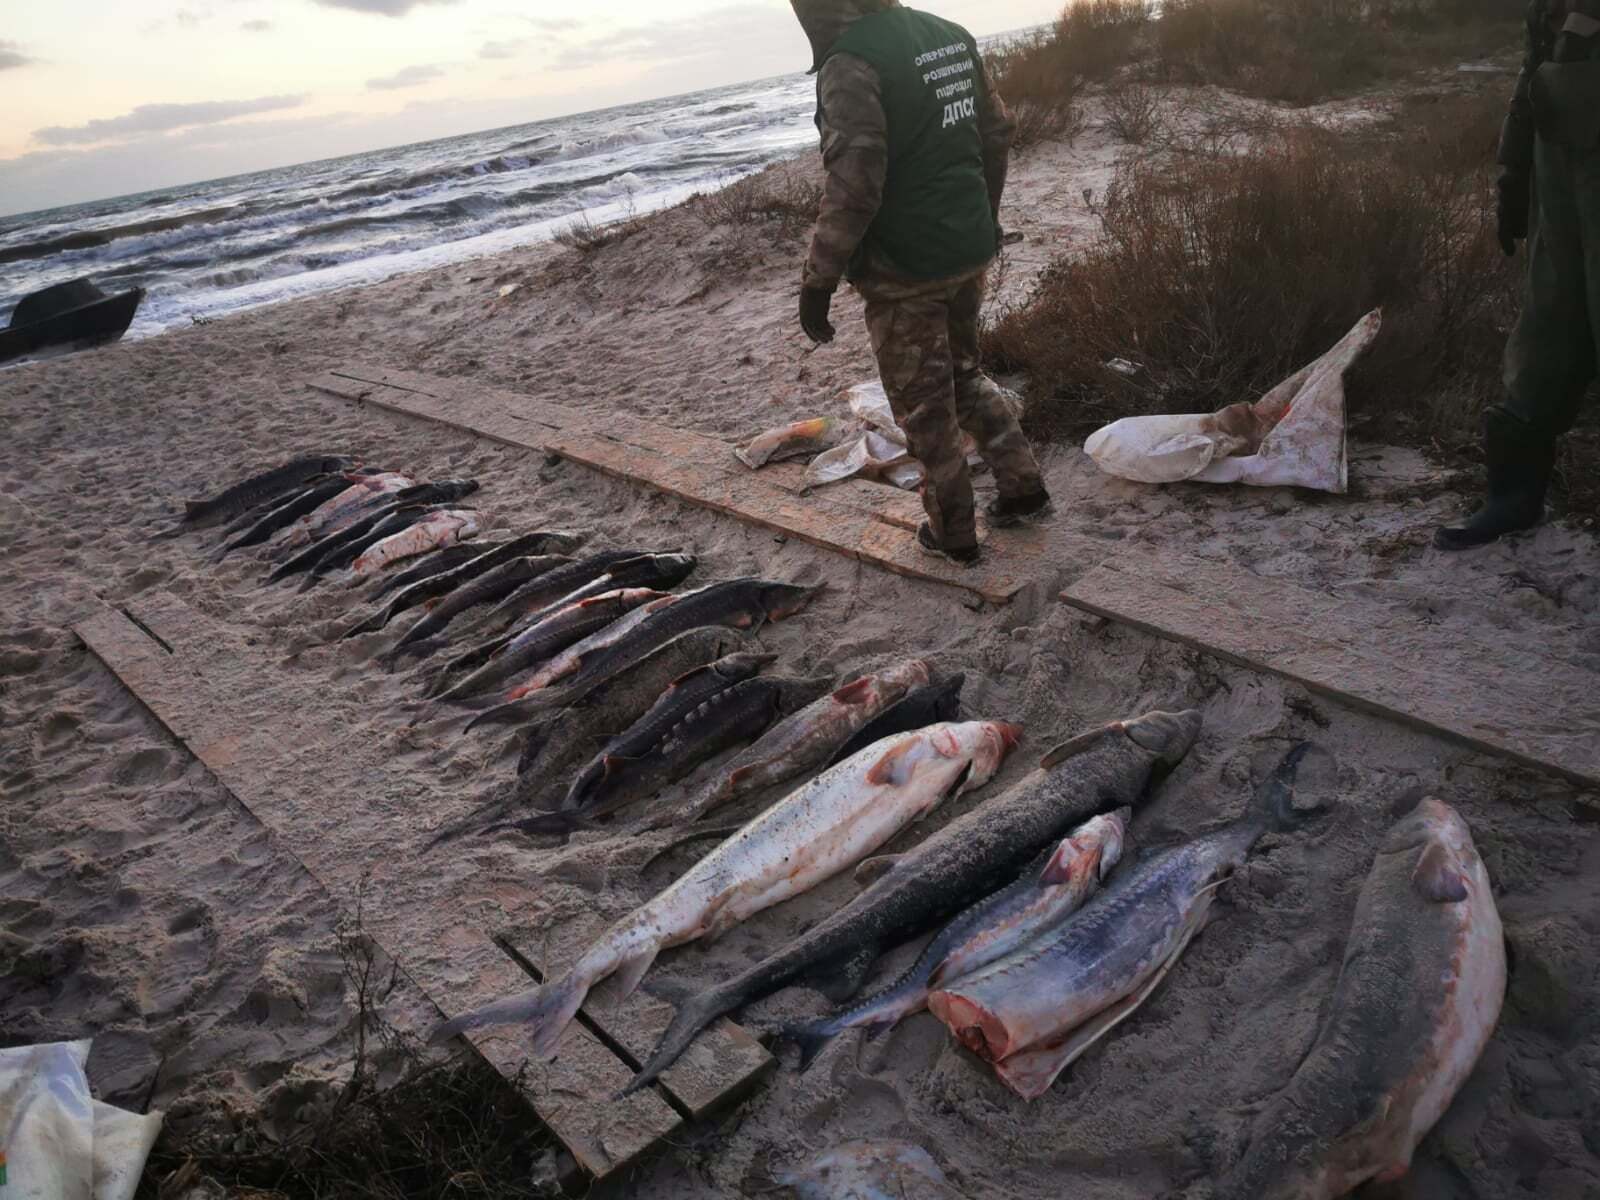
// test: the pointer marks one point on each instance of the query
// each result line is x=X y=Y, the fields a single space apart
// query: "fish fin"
x=549 y=1009
x=871 y=1031
x=812 y=1040
x=895 y=767
x=615 y=764
x=632 y=970
x=874 y=869
x=846 y=978
x=538 y=738
x=1439 y=877
x=1058 y=870
x=1076 y=746
x=688 y=675
x=692 y=1016
x=859 y=692
x=193 y=509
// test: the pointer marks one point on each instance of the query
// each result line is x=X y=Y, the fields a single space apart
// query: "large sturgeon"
x=486 y=589
x=258 y=489
x=965 y=861
x=927 y=705
x=815 y=833
x=997 y=925
x=437 y=530
x=1418 y=996
x=364 y=493
x=805 y=741
x=1037 y=1010
x=281 y=515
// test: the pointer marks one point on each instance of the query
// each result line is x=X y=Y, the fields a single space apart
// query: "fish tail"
x=549 y=1009
x=812 y=1039
x=373 y=624
x=499 y=715
x=692 y=1017
x=1274 y=804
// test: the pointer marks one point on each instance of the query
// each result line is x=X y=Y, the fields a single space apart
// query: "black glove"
x=1516 y=201
x=814 y=305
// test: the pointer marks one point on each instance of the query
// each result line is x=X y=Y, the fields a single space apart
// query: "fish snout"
x=1010 y=736
x=1169 y=736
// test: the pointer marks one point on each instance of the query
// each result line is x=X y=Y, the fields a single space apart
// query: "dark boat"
x=75 y=314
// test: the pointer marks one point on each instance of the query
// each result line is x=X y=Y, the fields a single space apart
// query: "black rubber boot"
x=929 y=546
x=1004 y=514
x=1520 y=465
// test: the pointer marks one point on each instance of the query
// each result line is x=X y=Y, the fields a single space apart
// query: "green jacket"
x=915 y=174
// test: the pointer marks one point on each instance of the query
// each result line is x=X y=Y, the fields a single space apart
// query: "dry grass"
x=783 y=197
x=1221 y=273
x=1133 y=111
x=402 y=1127
x=584 y=236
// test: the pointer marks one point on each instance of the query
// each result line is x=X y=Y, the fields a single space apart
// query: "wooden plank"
x=453 y=961
x=1491 y=699
x=850 y=520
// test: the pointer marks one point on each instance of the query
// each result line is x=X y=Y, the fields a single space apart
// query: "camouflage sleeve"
x=998 y=128
x=1517 y=134
x=855 y=152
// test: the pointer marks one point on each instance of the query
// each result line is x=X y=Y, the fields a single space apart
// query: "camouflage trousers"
x=1554 y=351
x=926 y=339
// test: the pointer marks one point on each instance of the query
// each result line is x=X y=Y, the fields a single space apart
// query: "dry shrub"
x=1221 y=274
x=781 y=196
x=1132 y=111
x=584 y=236
x=1041 y=74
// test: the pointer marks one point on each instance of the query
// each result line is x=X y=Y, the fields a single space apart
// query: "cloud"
x=386 y=8
x=506 y=49
x=406 y=77
x=554 y=24
x=715 y=34
x=257 y=26
x=11 y=55
x=161 y=118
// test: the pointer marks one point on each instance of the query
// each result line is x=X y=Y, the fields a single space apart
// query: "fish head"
x=780 y=601
x=333 y=464
x=1446 y=860
x=1110 y=832
x=903 y=676
x=988 y=743
x=1169 y=736
x=669 y=570
x=457 y=489
x=738 y=667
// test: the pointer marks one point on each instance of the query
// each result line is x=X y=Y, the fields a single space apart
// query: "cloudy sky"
x=106 y=97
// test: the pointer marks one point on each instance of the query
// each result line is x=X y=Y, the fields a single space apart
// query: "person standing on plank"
x=1550 y=195
x=916 y=141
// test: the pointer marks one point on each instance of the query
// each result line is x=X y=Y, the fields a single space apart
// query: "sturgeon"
x=408 y=507
x=281 y=516
x=746 y=604
x=957 y=866
x=696 y=701
x=805 y=741
x=991 y=929
x=380 y=507
x=927 y=705
x=1421 y=988
x=561 y=630
x=431 y=566
x=566 y=740
x=530 y=601
x=1037 y=1010
x=258 y=489
x=486 y=589
x=815 y=833
x=657 y=571
x=342 y=510
x=437 y=530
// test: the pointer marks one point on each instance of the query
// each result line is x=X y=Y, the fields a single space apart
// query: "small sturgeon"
x=486 y=589
x=529 y=601
x=681 y=732
x=817 y=832
x=409 y=507
x=957 y=866
x=566 y=740
x=379 y=507
x=283 y=515
x=433 y=565
x=927 y=705
x=1421 y=988
x=806 y=741
x=746 y=604
x=991 y=929
x=258 y=489
x=562 y=629
x=435 y=531
x=1036 y=1011
x=342 y=510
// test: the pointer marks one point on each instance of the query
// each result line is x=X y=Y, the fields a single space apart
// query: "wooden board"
x=862 y=520
x=250 y=737
x=1381 y=663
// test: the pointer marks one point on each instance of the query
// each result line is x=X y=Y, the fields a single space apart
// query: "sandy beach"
x=143 y=905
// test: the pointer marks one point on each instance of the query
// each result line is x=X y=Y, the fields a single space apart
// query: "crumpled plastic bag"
x=1294 y=436
x=59 y=1143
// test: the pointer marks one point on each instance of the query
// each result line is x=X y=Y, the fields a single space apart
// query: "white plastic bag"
x=60 y=1143
x=1293 y=436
